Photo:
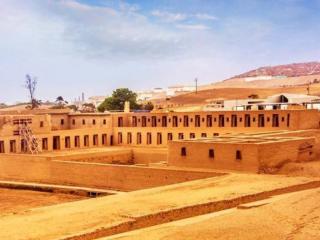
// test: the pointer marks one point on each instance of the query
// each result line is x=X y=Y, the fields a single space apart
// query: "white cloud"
x=98 y=31
x=168 y=16
x=193 y=26
x=204 y=16
x=73 y=47
x=179 y=17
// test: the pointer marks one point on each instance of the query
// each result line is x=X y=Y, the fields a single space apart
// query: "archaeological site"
x=131 y=174
x=159 y=120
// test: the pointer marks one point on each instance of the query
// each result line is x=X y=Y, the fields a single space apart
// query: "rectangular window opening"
x=211 y=153
x=238 y=155
x=183 y=151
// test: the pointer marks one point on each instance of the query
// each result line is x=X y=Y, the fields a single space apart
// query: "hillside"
x=264 y=81
x=237 y=93
x=274 y=76
x=288 y=70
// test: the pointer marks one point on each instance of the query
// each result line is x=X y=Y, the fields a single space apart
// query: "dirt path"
x=292 y=216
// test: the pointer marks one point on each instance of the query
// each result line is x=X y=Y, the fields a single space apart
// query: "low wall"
x=197 y=156
x=306 y=133
x=263 y=157
x=272 y=156
x=117 y=177
x=116 y=157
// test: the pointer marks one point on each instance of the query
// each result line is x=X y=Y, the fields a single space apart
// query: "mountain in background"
x=288 y=70
x=294 y=78
x=295 y=74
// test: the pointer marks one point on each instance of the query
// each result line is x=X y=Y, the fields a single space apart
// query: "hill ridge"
x=287 y=70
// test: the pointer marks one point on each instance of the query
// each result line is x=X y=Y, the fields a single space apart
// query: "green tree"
x=61 y=102
x=148 y=106
x=2 y=105
x=73 y=107
x=88 y=108
x=117 y=100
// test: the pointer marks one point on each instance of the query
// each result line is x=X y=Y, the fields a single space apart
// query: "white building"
x=151 y=94
x=291 y=98
x=278 y=101
x=263 y=78
x=96 y=100
x=179 y=89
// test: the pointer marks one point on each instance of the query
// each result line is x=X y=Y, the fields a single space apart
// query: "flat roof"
x=89 y=114
x=242 y=139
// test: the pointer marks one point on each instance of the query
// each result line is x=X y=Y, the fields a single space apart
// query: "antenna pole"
x=196 y=81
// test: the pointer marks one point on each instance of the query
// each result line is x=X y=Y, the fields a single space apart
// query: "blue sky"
x=95 y=46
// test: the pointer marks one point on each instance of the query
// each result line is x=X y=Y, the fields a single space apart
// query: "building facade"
x=63 y=130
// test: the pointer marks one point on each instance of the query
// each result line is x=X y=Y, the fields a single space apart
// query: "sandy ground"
x=295 y=216
x=59 y=221
x=14 y=201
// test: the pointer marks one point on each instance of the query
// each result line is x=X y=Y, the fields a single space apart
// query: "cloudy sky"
x=95 y=46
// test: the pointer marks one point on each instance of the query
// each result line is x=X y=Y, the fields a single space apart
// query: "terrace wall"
x=118 y=177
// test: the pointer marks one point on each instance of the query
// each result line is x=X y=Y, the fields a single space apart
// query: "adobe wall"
x=197 y=156
x=118 y=177
x=308 y=120
x=288 y=119
x=257 y=157
x=149 y=155
x=40 y=124
x=153 y=124
x=305 y=133
x=63 y=134
x=81 y=133
x=153 y=133
x=81 y=121
x=198 y=133
x=273 y=155
x=123 y=156
x=56 y=123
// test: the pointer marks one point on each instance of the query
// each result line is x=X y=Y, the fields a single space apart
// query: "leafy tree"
x=88 y=108
x=117 y=100
x=3 y=105
x=30 y=85
x=148 y=106
x=73 y=107
x=61 y=102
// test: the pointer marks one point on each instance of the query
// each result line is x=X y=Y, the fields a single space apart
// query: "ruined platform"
x=119 y=213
